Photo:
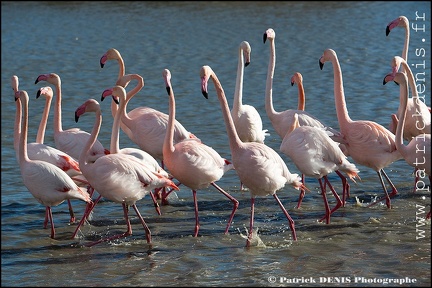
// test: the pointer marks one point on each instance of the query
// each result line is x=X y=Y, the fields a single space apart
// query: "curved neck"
x=168 y=145
x=411 y=80
x=115 y=132
x=269 y=82
x=339 y=95
x=17 y=127
x=121 y=67
x=238 y=92
x=23 y=156
x=301 y=96
x=403 y=100
x=43 y=123
x=57 y=110
x=91 y=141
x=406 y=43
x=125 y=119
x=233 y=137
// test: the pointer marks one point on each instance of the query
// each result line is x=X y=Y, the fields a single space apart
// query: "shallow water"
x=362 y=246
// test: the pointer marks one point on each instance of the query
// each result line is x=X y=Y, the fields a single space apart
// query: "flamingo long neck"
x=339 y=95
x=403 y=99
x=269 y=82
x=301 y=96
x=115 y=133
x=114 y=106
x=125 y=119
x=43 y=123
x=233 y=137
x=57 y=110
x=238 y=92
x=168 y=145
x=23 y=156
x=411 y=81
x=17 y=127
x=406 y=43
x=91 y=141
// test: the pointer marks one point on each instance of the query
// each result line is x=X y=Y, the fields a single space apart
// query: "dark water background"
x=362 y=246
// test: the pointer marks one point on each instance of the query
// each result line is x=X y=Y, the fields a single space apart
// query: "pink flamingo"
x=246 y=118
x=297 y=78
x=258 y=166
x=403 y=22
x=117 y=177
x=418 y=151
x=193 y=163
x=418 y=120
x=70 y=141
x=47 y=183
x=282 y=121
x=145 y=126
x=368 y=143
x=316 y=155
x=38 y=150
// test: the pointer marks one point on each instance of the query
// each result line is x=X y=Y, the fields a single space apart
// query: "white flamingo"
x=40 y=151
x=368 y=143
x=70 y=141
x=47 y=183
x=316 y=155
x=418 y=151
x=194 y=164
x=117 y=177
x=259 y=167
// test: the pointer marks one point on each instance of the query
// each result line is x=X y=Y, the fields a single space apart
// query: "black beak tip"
x=168 y=89
x=387 y=30
x=321 y=65
x=76 y=118
x=247 y=63
x=264 y=37
x=102 y=65
x=38 y=94
x=205 y=94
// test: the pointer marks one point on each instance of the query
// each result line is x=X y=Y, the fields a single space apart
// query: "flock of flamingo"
x=169 y=155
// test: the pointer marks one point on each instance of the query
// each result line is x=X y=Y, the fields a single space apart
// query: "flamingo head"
x=205 y=74
x=328 y=55
x=51 y=78
x=45 y=91
x=269 y=34
x=109 y=55
x=401 y=21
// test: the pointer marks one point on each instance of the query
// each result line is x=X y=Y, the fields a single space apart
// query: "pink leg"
x=345 y=187
x=52 y=222
x=290 y=220
x=251 y=223
x=302 y=194
x=197 y=226
x=127 y=233
x=146 y=228
x=71 y=212
x=164 y=199
x=46 y=218
x=339 y=201
x=156 y=204
x=89 y=207
x=387 y=196
x=327 y=208
x=235 y=202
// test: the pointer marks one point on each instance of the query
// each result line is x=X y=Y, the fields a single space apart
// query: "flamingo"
x=259 y=167
x=70 y=141
x=40 y=151
x=144 y=125
x=368 y=143
x=117 y=177
x=403 y=22
x=418 y=151
x=50 y=185
x=316 y=155
x=418 y=120
x=282 y=121
x=246 y=118
x=297 y=78
x=194 y=164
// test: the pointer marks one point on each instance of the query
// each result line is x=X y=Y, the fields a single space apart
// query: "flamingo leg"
x=197 y=226
x=46 y=218
x=251 y=223
x=346 y=188
x=235 y=202
x=156 y=204
x=127 y=233
x=146 y=228
x=302 y=194
x=49 y=211
x=387 y=196
x=339 y=201
x=327 y=208
x=71 y=212
x=290 y=220
x=89 y=208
